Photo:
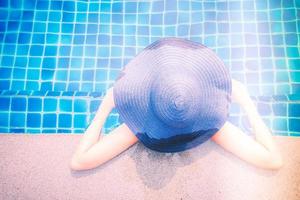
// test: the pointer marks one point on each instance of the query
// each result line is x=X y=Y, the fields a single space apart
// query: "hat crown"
x=173 y=98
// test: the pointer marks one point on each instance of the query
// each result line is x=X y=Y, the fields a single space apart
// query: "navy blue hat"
x=174 y=94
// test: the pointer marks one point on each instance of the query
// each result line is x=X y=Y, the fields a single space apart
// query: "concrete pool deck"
x=37 y=167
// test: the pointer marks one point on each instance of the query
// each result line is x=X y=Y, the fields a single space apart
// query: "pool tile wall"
x=79 y=47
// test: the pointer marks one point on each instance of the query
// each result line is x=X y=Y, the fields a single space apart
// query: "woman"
x=263 y=152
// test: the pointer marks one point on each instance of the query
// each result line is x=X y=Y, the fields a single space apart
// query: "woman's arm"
x=92 y=152
x=263 y=152
x=92 y=133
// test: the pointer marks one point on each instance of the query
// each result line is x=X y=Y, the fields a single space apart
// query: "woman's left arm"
x=91 y=135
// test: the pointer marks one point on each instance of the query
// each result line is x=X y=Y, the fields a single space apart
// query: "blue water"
x=58 y=58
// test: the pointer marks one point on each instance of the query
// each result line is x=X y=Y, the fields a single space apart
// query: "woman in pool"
x=171 y=108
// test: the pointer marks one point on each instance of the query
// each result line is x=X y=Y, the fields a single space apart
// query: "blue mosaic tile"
x=17 y=119
x=4 y=103
x=280 y=109
x=54 y=50
x=49 y=120
x=18 y=104
x=280 y=124
x=65 y=105
x=78 y=93
x=50 y=105
x=294 y=97
x=94 y=105
x=64 y=131
x=294 y=110
x=34 y=120
x=17 y=130
x=80 y=105
x=67 y=93
x=79 y=121
x=4 y=119
x=65 y=120
x=294 y=125
x=46 y=86
x=53 y=93
x=34 y=104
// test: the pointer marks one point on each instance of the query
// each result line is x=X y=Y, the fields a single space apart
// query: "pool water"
x=58 y=58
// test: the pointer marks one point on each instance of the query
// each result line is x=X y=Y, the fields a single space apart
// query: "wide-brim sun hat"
x=174 y=94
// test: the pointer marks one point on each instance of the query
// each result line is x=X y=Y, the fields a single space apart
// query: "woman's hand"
x=239 y=94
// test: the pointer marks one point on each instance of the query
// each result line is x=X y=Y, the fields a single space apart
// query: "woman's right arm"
x=263 y=152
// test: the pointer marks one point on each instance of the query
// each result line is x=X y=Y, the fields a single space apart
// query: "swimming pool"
x=58 y=58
